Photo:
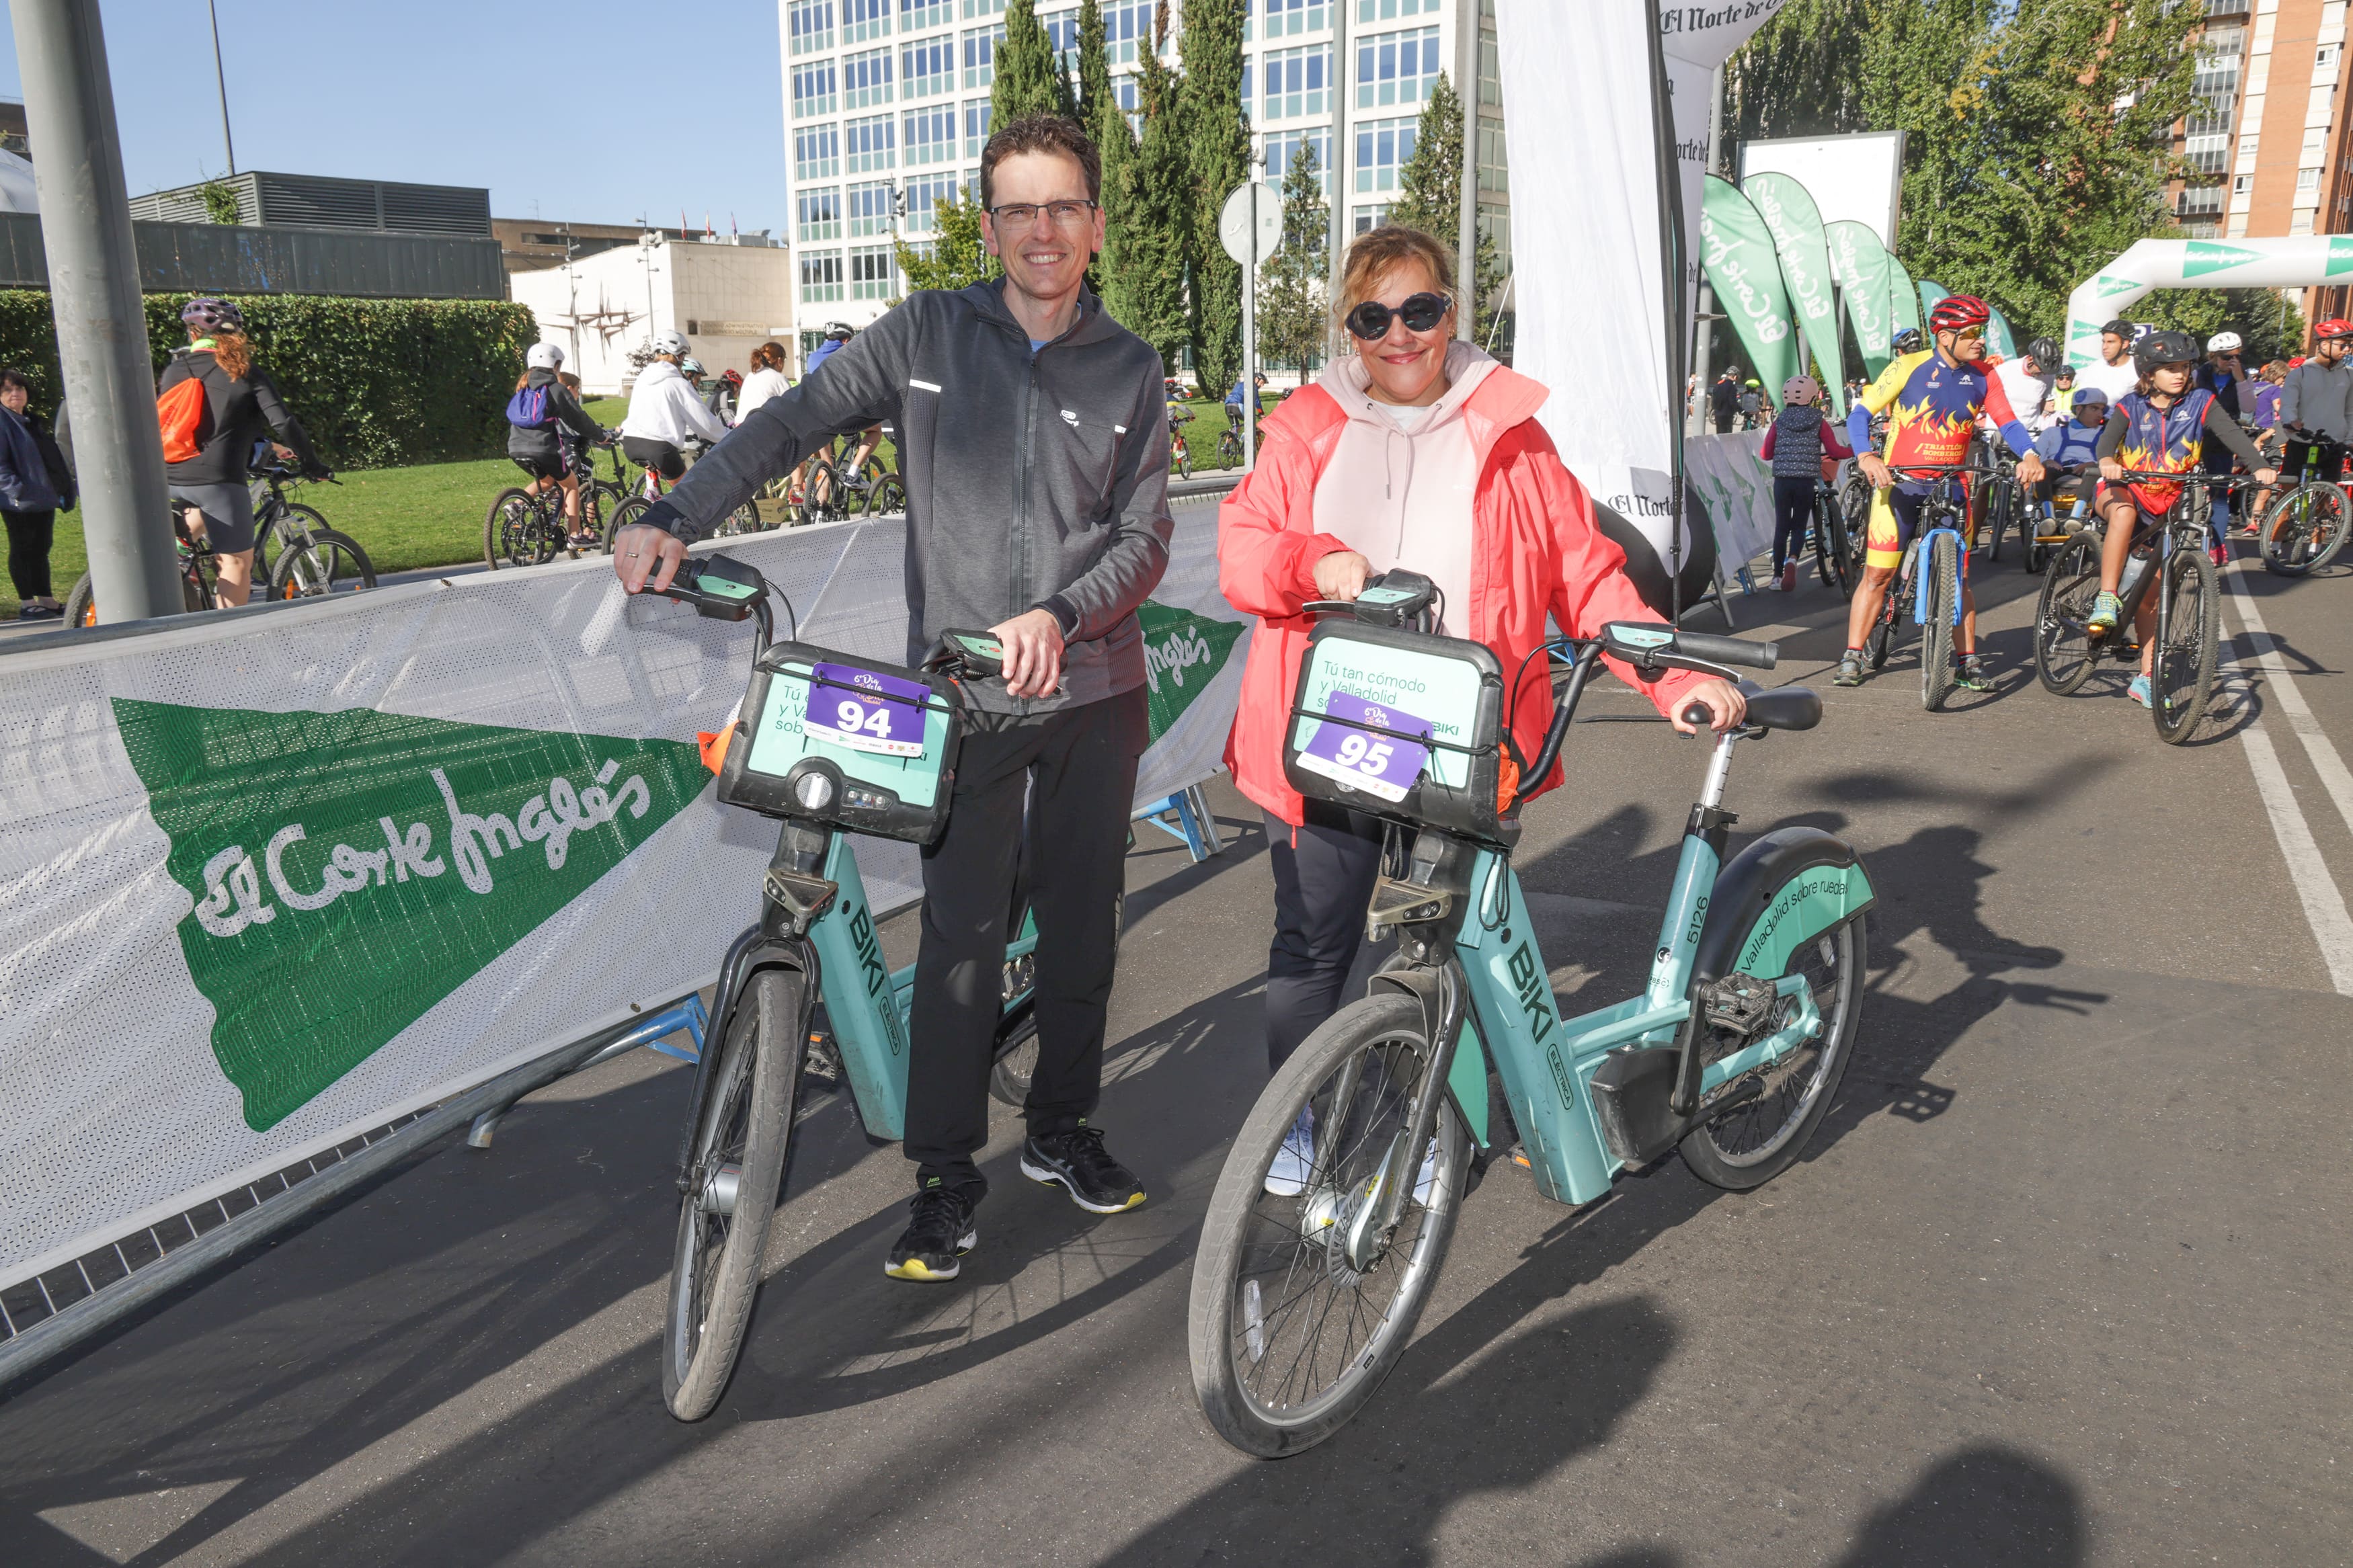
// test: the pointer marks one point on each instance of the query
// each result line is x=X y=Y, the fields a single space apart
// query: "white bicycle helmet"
x=544 y=356
x=2224 y=343
x=670 y=342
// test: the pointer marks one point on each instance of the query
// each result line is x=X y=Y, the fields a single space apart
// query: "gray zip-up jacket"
x=1033 y=480
x=2320 y=399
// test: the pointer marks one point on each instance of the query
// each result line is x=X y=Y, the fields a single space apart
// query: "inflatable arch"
x=2303 y=261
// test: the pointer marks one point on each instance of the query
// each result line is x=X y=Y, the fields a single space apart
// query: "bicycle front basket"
x=849 y=742
x=1400 y=724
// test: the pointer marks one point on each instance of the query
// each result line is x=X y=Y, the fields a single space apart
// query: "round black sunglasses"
x=1370 y=320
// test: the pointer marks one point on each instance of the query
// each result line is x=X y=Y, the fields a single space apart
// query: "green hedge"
x=376 y=383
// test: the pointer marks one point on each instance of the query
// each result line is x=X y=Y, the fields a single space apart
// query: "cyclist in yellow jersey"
x=1934 y=397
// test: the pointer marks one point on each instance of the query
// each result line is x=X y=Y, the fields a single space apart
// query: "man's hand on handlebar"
x=1341 y=575
x=1033 y=653
x=640 y=552
x=1725 y=707
x=1874 y=468
x=2112 y=470
x=2029 y=469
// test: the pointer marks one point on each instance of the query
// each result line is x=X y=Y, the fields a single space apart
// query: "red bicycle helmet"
x=2334 y=327
x=732 y=377
x=1955 y=311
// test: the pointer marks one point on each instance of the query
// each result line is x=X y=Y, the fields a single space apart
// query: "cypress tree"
x=1095 y=96
x=1028 y=78
x=1099 y=113
x=1218 y=136
x=1157 y=230
x=1430 y=195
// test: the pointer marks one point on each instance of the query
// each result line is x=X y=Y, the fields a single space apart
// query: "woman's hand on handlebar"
x=640 y=552
x=1722 y=700
x=1342 y=575
x=1033 y=653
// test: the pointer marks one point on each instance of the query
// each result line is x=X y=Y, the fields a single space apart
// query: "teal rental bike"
x=832 y=746
x=1331 y=1217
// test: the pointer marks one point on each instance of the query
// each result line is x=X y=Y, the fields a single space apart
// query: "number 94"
x=854 y=715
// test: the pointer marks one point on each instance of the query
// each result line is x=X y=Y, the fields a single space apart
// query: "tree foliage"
x=959 y=256
x=1211 y=51
x=1429 y=195
x=220 y=202
x=1291 y=285
x=1095 y=98
x=1030 y=76
x=1145 y=288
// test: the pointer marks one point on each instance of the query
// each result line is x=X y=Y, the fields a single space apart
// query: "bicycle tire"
x=1242 y=1236
x=81 y=605
x=2189 y=645
x=1181 y=460
x=888 y=497
x=1996 y=518
x=506 y=529
x=1229 y=450
x=2064 y=653
x=744 y=519
x=1841 y=958
x=622 y=516
x=273 y=531
x=1944 y=568
x=715 y=1264
x=323 y=561
x=598 y=501
x=1825 y=563
x=2294 y=542
x=2032 y=554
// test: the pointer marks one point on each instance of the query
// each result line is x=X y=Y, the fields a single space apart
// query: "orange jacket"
x=1538 y=551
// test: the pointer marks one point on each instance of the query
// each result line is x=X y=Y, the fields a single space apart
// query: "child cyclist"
x=538 y=416
x=2161 y=428
x=1800 y=444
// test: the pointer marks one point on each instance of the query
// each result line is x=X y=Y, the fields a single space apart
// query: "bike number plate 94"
x=860 y=710
x=1386 y=765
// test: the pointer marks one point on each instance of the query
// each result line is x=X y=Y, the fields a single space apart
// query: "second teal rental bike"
x=1331 y=1218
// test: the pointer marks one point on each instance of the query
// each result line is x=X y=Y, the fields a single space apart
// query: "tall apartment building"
x=2268 y=135
x=886 y=110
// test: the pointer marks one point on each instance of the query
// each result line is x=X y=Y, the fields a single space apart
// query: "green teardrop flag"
x=1738 y=250
x=1999 y=337
x=1183 y=652
x=1796 y=225
x=1860 y=263
x=1902 y=302
x=350 y=870
x=1932 y=294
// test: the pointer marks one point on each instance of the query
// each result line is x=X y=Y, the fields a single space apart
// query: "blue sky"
x=595 y=111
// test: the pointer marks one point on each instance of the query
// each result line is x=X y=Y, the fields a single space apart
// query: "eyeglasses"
x=1022 y=215
x=1420 y=313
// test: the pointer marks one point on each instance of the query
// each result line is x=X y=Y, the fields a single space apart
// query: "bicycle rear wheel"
x=2188 y=644
x=1830 y=536
x=1944 y=568
x=323 y=562
x=2063 y=651
x=888 y=497
x=740 y=1151
x=2304 y=530
x=1297 y=1312
x=622 y=516
x=510 y=532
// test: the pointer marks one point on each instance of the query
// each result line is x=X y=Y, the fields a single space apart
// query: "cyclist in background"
x=1799 y=447
x=664 y=412
x=2069 y=451
x=2062 y=393
x=1907 y=341
x=2224 y=375
x=540 y=416
x=766 y=380
x=837 y=336
x=241 y=406
x=2316 y=411
x=721 y=398
x=1933 y=399
x=1752 y=398
x=2162 y=427
x=2113 y=372
x=2029 y=382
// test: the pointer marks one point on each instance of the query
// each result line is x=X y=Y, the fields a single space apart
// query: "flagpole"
x=1671 y=257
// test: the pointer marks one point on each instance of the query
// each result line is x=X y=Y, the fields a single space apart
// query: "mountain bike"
x=1331 y=1217
x=832 y=746
x=648 y=487
x=310 y=559
x=1230 y=444
x=600 y=498
x=1931 y=577
x=1831 y=561
x=2305 y=525
x=834 y=490
x=2170 y=556
x=199 y=574
x=2007 y=510
x=1180 y=450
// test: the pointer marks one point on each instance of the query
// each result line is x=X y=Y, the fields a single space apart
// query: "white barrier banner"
x=275 y=881
x=1736 y=484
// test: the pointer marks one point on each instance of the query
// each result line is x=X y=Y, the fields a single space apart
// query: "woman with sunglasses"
x=1422 y=452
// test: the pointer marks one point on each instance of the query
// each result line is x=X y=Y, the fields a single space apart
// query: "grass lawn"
x=431 y=514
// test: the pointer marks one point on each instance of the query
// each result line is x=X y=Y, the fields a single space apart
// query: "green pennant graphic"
x=2203 y=256
x=2109 y=288
x=1182 y=654
x=350 y=870
x=2340 y=253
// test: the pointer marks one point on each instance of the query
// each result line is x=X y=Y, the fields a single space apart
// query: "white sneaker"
x=1287 y=1177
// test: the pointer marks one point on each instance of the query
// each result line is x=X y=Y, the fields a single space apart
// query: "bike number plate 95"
x=861 y=710
x=1382 y=759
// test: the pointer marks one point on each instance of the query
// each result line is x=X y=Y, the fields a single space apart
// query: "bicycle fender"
x=1782 y=892
x=1466 y=1076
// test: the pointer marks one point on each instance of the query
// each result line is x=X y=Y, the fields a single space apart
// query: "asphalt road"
x=2063 y=1281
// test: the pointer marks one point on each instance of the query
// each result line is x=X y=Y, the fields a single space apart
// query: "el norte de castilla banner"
x=280 y=879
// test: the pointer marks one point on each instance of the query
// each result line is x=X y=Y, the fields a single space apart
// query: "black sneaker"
x=1097 y=1183
x=1973 y=676
x=940 y=1231
x=1850 y=669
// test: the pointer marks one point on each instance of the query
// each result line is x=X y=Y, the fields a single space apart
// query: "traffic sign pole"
x=1249 y=225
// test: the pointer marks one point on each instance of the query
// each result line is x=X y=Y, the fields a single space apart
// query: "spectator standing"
x=34 y=485
x=1723 y=398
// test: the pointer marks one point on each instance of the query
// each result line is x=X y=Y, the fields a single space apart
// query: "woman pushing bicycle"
x=1416 y=451
x=2161 y=428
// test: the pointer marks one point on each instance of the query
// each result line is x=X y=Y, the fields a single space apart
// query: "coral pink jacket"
x=1537 y=551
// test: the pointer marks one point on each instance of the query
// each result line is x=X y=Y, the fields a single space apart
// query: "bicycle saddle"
x=1782 y=707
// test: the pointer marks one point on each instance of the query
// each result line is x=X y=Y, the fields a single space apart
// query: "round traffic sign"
x=1250 y=206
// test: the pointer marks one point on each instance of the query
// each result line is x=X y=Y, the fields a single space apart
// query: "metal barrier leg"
x=687 y=1017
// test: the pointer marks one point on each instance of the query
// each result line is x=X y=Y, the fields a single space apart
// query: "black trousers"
x=1723 y=421
x=1077 y=769
x=29 y=536
x=1324 y=876
x=1793 y=510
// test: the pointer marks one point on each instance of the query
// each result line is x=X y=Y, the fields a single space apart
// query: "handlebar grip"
x=1728 y=650
x=1697 y=716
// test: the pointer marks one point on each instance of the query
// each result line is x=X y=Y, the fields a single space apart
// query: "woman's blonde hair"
x=1375 y=251
x=233 y=352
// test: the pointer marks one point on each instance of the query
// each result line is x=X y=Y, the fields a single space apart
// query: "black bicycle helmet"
x=1909 y=340
x=2046 y=352
x=2164 y=348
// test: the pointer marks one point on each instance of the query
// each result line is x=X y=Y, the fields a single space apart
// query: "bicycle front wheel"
x=740 y=1150
x=1298 y=1311
x=888 y=497
x=2189 y=643
x=81 y=605
x=317 y=562
x=622 y=516
x=1944 y=569
x=2063 y=651
x=2304 y=530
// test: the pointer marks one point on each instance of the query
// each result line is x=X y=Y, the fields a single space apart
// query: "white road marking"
x=2323 y=905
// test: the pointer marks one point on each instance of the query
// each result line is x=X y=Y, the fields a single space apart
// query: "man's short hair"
x=1039 y=133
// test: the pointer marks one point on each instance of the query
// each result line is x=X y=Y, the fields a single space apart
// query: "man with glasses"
x=1034 y=442
x=1932 y=399
x=2316 y=407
